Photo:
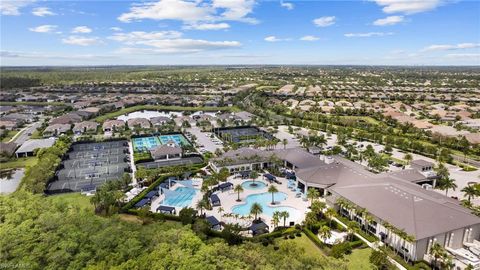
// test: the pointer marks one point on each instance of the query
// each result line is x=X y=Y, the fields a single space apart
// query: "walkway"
x=132 y=163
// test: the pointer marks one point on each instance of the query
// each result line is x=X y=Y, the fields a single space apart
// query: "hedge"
x=142 y=194
x=156 y=216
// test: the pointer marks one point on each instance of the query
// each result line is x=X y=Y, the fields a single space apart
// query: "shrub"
x=276 y=248
x=339 y=250
x=291 y=236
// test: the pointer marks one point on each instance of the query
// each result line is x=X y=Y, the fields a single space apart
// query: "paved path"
x=132 y=163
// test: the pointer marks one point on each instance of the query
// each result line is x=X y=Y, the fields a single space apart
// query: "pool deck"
x=228 y=200
x=198 y=196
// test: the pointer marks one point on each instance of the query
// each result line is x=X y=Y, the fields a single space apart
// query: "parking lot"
x=89 y=165
x=204 y=141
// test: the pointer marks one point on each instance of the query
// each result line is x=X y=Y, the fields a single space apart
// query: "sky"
x=239 y=32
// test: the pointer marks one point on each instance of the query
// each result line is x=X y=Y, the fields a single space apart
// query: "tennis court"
x=144 y=144
x=91 y=164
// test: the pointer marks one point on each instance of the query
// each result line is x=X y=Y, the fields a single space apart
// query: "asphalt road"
x=25 y=135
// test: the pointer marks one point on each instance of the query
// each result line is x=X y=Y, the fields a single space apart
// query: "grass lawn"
x=104 y=117
x=72 y=199
x=310 y=248
x=10 y=135
x=359 y=259
x=19 y=163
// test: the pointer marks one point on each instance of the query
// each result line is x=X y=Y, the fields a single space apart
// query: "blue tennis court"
x=145 y=144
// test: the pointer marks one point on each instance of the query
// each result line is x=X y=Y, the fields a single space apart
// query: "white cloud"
x=116 y=29
x=324 y=21
x=275 y=39
x=167 y=42
x=46 y=28
x=12 y=7
x=138 y=36
x=369 y=34
x=309 y=38
x=190 y=12
x=390 y=20
x=447 y=47
x=409 y=6
x=207 y=26
x=81 y=30
x=179 y=46
x=81 y=40
x=286 y=5
x=235 y=10
x=43 y=55
x=467 y=56
x=42 y=12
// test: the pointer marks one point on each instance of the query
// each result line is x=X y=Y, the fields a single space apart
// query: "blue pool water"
x=260 y=185
x=264 y=199
x=180 y=197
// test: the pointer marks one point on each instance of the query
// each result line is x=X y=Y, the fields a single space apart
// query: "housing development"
x=240 y=135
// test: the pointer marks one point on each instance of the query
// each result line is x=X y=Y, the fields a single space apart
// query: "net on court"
x=91 y=164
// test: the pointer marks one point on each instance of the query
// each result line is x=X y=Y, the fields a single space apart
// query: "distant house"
x=85 y=126
x=113 y=125
x=8 y=124
x=159 y=120
x=7 y=149
x=473 y=138
x=56 y=129
x=166 y=152
x=92 y=110
x=28 y=147
x=66 y=119
x=138 y=122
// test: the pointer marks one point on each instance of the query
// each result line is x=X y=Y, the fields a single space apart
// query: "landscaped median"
x=128 y=110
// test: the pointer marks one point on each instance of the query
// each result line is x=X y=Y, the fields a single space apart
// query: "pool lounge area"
x=239 y=212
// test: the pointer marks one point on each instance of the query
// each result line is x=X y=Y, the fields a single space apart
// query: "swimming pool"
x=264 y=199
x=180 y=197
x=260 y=185
x=145 y=144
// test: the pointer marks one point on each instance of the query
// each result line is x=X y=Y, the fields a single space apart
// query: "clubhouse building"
x=393 y=206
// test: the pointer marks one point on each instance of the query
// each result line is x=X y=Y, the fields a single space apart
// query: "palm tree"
x=437 y=252
x=272 y=189
x=202 y=204
x=470 y=192
x=312 y=194
x=284 y=215
x=447 y=184
x=325 y=232
x=284 y=142
x=408 y=158
x=238 y=189
x=254 y=175
x=275 y=218
x=330 y=213
x=352 y=229
x=256 y=209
